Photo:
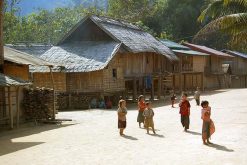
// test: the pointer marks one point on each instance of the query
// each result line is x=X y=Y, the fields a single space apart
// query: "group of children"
x=146 y=113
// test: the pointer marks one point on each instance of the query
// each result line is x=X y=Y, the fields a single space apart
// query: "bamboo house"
x=109 y=56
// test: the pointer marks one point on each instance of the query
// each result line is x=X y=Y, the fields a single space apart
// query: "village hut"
x=216 y=69
x=111 y=57
x=188 y=73
x=16 y=76
x=10 y=111
x=238 y=69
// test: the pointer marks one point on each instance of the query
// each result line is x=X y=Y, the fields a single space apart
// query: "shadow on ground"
x=220 y=147
x=9 y=146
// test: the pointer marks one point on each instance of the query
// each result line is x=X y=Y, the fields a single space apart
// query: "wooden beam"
x=134 y=89
x=1 y=36
x=17 y=108
x=152 y=89
x=54 y=94
x=159 y=86
x=144 y=87
x=10 y=109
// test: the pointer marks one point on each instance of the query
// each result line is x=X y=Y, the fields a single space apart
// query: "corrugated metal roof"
x=191 y=52
x=11 y=81
x=19 y=57
x=174 y=45
x=84 y=56
x=235 y=53
x=207 y=50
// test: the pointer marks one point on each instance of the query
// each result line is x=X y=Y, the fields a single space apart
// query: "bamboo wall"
x=199 y=63
x=19 y=71
x=44 y=80
x=140 y=64
x=239 y=66
x=85 y=81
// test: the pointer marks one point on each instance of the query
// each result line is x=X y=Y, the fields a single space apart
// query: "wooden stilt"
x=54 y=94
x=144 y=87
x=10 y=109
x=152 y=89
x=134 y=89
x=159 y=87
x=17 y=108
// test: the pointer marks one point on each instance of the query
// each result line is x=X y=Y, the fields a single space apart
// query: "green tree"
x=229 y=17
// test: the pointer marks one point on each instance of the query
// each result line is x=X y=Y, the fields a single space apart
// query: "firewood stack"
x=38 y=103
x=62 y=101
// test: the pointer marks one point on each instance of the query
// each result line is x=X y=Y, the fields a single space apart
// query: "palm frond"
x=233 y=24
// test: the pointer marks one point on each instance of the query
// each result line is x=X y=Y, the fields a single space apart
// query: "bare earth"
x=92 y=137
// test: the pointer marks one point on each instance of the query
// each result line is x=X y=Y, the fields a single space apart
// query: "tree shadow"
x=193 y=133
x=157 y=135
x=129 y=137
x=220 y=147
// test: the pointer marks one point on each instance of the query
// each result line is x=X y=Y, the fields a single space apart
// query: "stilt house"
x=188 y=73
x=216 y=68
x=108 y=56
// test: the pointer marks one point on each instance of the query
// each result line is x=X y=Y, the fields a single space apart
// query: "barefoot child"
x=207 y=126
x=141 y=108
x=173 y=98
x=185 y=112
x=122 y=111
x=197 y=96
x=148 y=114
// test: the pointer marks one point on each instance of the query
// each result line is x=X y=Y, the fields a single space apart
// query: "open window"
x=114 y=73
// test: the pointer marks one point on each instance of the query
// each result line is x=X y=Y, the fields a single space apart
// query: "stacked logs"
x=38 y=103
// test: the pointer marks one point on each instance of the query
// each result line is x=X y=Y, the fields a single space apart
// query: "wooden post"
x=152 y=89
x=159 y=86
x=134 y=89
x=1 y=36
x=54 y=94
x=10 y=109
x=144 y=87
x=17 y=108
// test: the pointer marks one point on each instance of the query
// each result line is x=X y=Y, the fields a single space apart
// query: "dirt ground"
x=92 y=137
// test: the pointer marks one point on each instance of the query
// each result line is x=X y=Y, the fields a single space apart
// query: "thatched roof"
x=6 y=81
x=133 y=39
x=31 y=48
x=18 y=57
x=84 y=56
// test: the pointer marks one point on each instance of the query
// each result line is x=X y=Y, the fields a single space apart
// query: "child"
x=148 y=114
x=185 y=112
x=141 y=108
x=207 y=126
x=197 y=96
x=122 y=112
x=173 y=97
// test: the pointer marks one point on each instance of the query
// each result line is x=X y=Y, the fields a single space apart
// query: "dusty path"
x=92 y=138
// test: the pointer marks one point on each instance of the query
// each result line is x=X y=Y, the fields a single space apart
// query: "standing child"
x=122 y=112
x=141 y=108
x=185 y=111
x=173 y=98
x=207 y=126
x=149 y=114
x=197 y=96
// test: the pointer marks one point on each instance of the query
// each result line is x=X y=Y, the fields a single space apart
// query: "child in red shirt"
x=185 y=112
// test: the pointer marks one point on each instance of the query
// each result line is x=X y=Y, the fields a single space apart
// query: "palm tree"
x=228 y=16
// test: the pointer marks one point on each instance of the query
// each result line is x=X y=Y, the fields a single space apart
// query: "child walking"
x=173 y=98
x=207 y=125
x=122 y=112
x=148 y=115
x=185 y=112
x=141 y=108
x=197 y=96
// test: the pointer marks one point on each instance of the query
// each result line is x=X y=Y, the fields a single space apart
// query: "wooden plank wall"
x=19 y=71
x=199 y=63
x=44 y=80
x=85 y=82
